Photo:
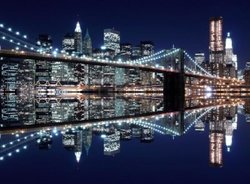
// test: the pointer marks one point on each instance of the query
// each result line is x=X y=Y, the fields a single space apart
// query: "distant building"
x=44 y=43
x=247 y=73
x=73 y=141
x=126 y=51
x=147 y=48
x=230 y=58
x=216 y=139
x=216 y=46
x=87 y=44
x=199 y=58
x=112 y=144
x=112 y=40
x=103 y=53
x=68 y=43
x=78 y=39
x=136 y=52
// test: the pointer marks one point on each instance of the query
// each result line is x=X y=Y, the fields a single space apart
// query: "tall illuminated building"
x=68 y=43
x=216 y=139
x=112 y=144
x=199 y=58
x=216 y=48
x=112 y=40
x=78 y=39
x=87 y=44
x=126 y=51
x=147 y=48
x=87 y=139
x=230 y=58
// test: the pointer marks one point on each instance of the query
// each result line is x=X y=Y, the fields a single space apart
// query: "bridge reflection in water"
x=114 y=118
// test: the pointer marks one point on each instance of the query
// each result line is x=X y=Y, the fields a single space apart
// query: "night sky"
x=182 y=23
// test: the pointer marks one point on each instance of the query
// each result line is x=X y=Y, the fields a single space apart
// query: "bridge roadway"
x=94 y=61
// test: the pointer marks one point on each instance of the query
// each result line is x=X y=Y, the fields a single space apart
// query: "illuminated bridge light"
x=1 y=25
x=9 y=29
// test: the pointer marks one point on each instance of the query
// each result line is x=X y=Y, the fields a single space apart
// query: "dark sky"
x=183 y=23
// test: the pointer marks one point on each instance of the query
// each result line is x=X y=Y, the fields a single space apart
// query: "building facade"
x=112 y=40
x=78 y=39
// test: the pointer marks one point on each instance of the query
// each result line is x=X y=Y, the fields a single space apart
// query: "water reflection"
x=114 y=118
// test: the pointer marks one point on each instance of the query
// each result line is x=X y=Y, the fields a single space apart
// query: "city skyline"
x=164 y=28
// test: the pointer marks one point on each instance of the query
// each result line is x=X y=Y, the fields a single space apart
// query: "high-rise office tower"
x=147 y=48
x=216 y=139
x=68 y=43
x=112 y=40
x=78 y=39
x=126 y=51
x=136 y=52
x=216 y=48
x=230 y=57
x=87 y=44
x=199 y=58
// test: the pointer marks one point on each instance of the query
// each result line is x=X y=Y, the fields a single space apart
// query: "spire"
x=78 y=28
x=229 y=44
x=87 y=33
x=78 y=156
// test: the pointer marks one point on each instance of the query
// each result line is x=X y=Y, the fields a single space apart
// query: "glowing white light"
x=25 y=36
x=54 y=53
x=9 y=29
x=17 y=33
x=1 y=158
x=9 y=154
x=11 y=142
x=103 y=136
x=229 y=44
x=78 y=28
x=17 y=150
x=1 y=25
x=103 y=47
x=24 y=147
x=3 y=37
x=4 y=146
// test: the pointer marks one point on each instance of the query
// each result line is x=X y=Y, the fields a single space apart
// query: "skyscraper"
x=112 y=40
x=230 y=58
x=78 y=39
x=87 y=44
x=68 y=43
x=216 y=49
x=147 y=48
x=199 y=58
x=126 y=51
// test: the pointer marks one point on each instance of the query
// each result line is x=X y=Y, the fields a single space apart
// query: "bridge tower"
x=174 y=85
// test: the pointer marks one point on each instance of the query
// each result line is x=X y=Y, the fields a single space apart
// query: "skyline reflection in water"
x=96 y=127
x=61 y=136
